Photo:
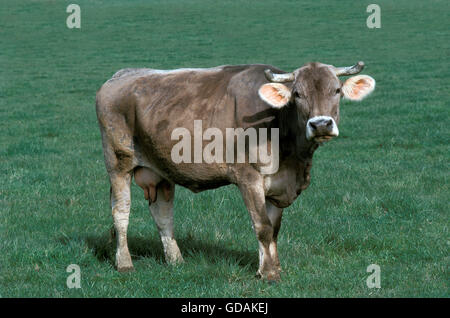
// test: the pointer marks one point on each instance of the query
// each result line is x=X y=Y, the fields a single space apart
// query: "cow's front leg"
x=120 y=205
x=274 y=215
x=254 y=198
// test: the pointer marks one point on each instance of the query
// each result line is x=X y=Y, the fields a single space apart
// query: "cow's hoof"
x=174 y=262
x=123 y=261
x=125 y=269
x=171 y=251
x=271 y=277
x=174 y=259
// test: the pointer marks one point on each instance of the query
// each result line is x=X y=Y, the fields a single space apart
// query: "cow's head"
x=316 y=92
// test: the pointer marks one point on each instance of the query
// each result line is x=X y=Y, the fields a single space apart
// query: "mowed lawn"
x=379 y=193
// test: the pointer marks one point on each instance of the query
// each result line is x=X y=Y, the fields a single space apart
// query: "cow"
x=138 y=110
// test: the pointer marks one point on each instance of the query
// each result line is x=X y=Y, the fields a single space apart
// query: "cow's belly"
x=193 y=176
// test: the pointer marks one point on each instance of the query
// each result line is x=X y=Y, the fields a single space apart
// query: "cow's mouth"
x=323 y=138
x=321 y=129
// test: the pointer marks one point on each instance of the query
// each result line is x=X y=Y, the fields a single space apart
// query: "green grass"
x=379 y=193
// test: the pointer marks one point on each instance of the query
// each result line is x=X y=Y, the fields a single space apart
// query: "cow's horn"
x=279 y=78
x=349 y=70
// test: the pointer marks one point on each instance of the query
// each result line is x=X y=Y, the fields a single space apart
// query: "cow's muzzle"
x=321 y=128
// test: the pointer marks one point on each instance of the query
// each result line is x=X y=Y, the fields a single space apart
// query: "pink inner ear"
x=273 y=95
x=361 y=84
x=358 y=87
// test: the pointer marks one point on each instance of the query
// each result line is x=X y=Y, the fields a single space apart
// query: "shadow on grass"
x=104 y=249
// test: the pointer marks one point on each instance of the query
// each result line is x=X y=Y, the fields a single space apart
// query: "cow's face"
x=316 y=92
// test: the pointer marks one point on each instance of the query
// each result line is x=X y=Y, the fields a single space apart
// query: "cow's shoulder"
x=250 y=109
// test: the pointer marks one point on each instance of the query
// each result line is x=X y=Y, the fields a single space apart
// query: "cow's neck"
x=295 y=161
x=292 y=137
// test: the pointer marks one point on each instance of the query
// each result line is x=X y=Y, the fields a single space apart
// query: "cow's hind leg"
x=120 y=205
x=119 y=164
x=162 y=212
x=160 y=195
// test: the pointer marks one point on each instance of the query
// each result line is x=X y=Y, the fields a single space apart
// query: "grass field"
x=379 y=193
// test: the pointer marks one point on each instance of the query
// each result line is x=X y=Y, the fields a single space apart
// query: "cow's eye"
x=338 y=91
x=297 y=95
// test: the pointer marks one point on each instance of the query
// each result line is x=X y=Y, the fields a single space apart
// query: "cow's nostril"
x=329 y=122
x=313 y=126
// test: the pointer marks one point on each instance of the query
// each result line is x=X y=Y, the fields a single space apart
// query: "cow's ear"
x=275 y=94
x=358 y=87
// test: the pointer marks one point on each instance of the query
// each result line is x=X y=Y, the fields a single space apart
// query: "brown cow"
x=140 y=109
